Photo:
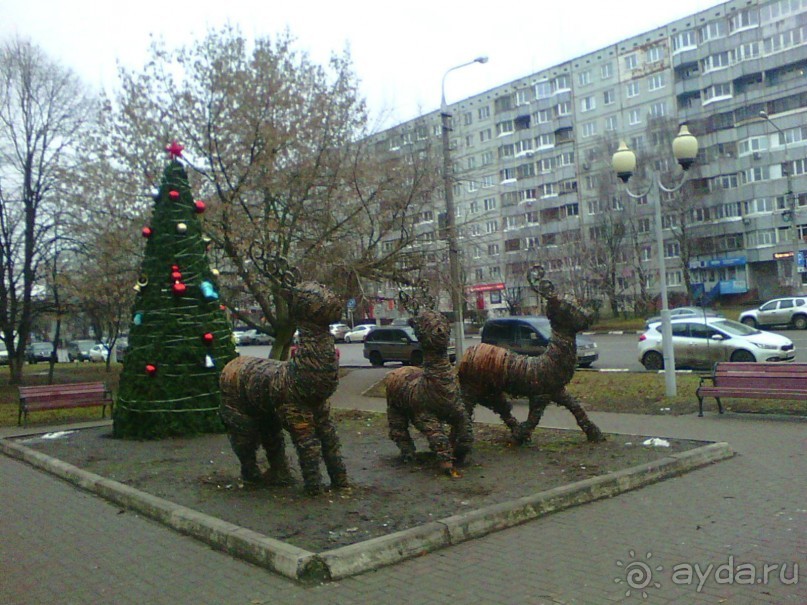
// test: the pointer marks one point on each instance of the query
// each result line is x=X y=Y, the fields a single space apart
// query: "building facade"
x=533 y=181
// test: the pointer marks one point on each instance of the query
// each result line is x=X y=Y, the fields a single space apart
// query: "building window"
x=714 y=62
x=632 y=90
x=484 y=112
x=635 y=117
x=608 y=97
x=566 y=159
x=545 y=140
x=489 y=203
x=561 y=84
x=584 y=78
x=522 y=97
x=467 y=118
x=606 y=71
x=611 y=124
x=487 y=158
x=717 y=92
x=744 y=19
x=511 y=222
x=655 y=82
x=631 y=61
x=589 y=129
x=505 y=127
x=563 y=109
x=491 y=226
x=682 y=41
x=710 y=31
x=549 y=190
x=658 y=110
x=655 y=54
x=512 y=245
x=485 y=135
x=588 y=104
x=543 y=89
x=752 y=145
x=495 y=272
x=493 y=249
x=672 y=250
x=543 y=116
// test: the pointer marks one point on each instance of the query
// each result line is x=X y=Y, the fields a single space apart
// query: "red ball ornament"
x=146 y=232
x=151 y=369
x=199 y=206
x=207 y=338
x=174 y=267
x=179 y=288
x=174 y=195
x=176 y=276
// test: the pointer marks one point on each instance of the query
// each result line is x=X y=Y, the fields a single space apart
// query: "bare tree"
x=277 y=143
x=43 y=107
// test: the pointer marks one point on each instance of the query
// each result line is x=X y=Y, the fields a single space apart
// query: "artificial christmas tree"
x=180 y=337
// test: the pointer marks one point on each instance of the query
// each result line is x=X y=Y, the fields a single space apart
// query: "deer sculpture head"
x=430 y=326
x=564 y=313
x=310 y=303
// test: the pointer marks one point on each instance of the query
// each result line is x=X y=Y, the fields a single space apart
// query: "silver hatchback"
x=702 y=342
x=787 y=311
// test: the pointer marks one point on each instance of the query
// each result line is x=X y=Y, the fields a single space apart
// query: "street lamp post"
x=451 y=219
x=685 y=149
x=790 y=202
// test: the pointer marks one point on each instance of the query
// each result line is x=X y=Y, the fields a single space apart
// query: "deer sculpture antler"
x=544 y=287
x=420 y=298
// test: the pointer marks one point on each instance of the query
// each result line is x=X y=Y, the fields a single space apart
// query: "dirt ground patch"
x=202 y=473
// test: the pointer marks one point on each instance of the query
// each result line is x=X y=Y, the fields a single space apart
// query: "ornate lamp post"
x=685 y=149
x=457 y=295
x=790 y=201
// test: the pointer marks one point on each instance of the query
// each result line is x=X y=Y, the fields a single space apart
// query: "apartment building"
x=533 y=181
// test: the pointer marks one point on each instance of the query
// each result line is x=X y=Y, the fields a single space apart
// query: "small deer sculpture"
x=263 y=397
x=428 y=397
x=488 y=373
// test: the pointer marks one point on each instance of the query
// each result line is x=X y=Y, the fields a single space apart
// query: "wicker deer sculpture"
x=488 y=373
x=263 y=397
x=428 y=397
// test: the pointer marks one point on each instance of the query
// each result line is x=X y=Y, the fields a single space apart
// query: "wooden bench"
x=750 y=380
x=63 y=396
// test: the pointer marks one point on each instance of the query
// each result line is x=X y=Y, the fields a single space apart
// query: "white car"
x=99 y=352
x=701 y=342
x=359 y=333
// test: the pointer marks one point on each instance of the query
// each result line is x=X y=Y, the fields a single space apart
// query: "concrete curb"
x=305 y=566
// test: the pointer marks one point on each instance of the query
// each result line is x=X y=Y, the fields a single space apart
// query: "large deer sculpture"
x=263 y=397
x=428 y=397
x=488 y=373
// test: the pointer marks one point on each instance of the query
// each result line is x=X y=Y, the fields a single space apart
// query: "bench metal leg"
x=700 y=406
x=719 y=405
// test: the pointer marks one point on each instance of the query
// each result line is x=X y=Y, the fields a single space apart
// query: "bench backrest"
x=77 y=391
x=761 y=375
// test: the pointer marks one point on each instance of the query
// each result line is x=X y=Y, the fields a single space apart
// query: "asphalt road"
x=617 y=351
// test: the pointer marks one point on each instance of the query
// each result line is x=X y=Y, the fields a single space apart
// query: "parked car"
x=121 y=347
x=699 y=343
x=79 y=350
x=254 y=337
x=530 y=335
x=396 y=343
x=359 y=333
x=684 y=312
x=3 y=353
x=788 y=311
x=99 y=352
x=338 y=331
x=38 y=351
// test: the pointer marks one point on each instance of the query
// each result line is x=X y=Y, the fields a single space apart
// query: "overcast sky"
x=400 y=49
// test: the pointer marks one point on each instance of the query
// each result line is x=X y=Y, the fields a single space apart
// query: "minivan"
x=396 y=343
x=530 y=335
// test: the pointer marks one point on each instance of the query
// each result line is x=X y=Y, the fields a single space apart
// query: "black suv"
x=396 y=343
x=530 y=336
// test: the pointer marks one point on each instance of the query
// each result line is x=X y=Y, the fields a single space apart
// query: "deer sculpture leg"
x=399 y=432
x=538 y=404
x=439 y=443
x=498 y=403
x=274 y=444
x=461 y=436
x=300 y=424
x=571 y=403
x=331 y=448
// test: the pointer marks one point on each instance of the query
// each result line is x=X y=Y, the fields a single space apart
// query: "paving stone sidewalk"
x=59 y=545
